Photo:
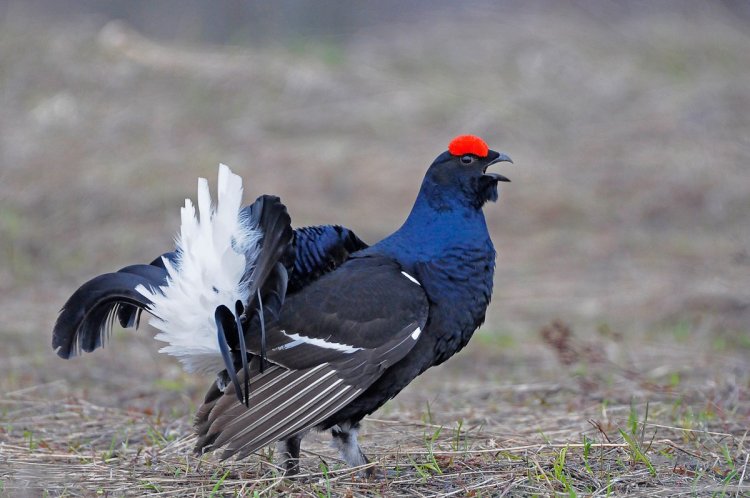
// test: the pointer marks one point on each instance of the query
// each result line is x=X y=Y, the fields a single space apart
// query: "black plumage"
x=332 y=327
x=87 y=317
x=319 y=250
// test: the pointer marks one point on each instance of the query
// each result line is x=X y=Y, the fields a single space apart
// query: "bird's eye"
x=467 y=159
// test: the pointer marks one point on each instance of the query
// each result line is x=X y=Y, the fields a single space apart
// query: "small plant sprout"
x=28 y=435
x=218 y=485
x=323 y=466
x=457 y=435
x=637 y=453
x=586 y=453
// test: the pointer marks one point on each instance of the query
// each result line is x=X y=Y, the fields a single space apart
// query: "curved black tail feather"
x=225 y=321
x=129 y=316
x=86 y=319
x=239 y=309
x=273 y=220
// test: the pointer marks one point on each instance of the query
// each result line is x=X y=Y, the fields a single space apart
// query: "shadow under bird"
x=306 y=328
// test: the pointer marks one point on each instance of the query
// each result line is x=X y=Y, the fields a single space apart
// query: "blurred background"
x=629 y=124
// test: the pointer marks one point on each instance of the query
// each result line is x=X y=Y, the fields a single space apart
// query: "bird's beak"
x=497 y=157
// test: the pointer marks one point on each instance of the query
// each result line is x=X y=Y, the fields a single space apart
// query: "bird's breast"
x=459 y=288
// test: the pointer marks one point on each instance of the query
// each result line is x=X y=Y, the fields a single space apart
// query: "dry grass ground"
x=615 y=357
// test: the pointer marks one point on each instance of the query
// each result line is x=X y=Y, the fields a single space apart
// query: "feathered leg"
x=345 y=440
x=290 y=449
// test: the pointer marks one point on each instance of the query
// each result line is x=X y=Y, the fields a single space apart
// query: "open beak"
x=499 y=157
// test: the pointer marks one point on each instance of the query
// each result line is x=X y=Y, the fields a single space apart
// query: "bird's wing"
x=314 y=251
x=332 y=341
x=357 y=307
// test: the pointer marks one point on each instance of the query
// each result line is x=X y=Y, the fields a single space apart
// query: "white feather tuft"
x=214 y=251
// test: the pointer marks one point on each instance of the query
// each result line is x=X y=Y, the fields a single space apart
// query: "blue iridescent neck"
x=435 y=225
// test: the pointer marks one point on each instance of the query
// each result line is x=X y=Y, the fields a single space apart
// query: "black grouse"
x=306 y=328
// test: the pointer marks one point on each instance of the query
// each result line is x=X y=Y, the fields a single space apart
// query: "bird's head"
x=459 y=175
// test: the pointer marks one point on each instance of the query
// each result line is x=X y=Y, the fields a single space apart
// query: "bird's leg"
x=290 y=449
x=345 y=440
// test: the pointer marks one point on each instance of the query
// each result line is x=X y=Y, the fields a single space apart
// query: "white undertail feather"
x=214 y=252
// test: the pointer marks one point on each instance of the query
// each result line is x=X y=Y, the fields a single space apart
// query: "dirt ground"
x=616 y=354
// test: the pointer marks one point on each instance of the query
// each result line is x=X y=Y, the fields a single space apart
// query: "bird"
x=308 y=328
